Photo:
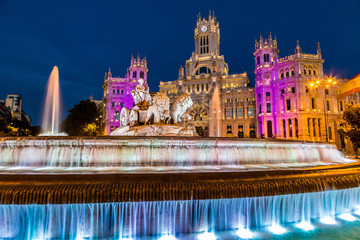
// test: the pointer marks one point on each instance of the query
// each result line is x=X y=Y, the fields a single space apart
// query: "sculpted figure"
x=159 y=108
x=141 y=94
x=179 y=107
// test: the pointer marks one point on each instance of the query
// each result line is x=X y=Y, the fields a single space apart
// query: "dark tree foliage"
x=82 y=114
x=352 y=117
x=11 y=126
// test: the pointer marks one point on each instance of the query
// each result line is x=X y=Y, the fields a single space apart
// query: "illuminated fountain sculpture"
x=151 y=117
x=154 y=183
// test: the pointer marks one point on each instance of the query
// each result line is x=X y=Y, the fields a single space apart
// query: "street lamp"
x=324 y=84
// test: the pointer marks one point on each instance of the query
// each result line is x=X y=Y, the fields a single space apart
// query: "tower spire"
x=318 y=49
x=298 y=48
x=109 y=73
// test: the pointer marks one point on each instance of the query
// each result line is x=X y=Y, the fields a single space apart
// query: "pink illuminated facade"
x=294 y=99
x=117 y=92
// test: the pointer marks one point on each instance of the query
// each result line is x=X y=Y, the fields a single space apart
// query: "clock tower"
x=207 y=36
x=206 y=58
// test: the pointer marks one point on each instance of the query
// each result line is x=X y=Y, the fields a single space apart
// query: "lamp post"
x=324 y=84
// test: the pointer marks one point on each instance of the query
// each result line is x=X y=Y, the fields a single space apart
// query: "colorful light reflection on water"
x=258 y=217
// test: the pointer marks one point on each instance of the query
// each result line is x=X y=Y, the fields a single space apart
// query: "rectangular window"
x=312 y=103
x=247 y=110
x=113 y=104
x=268 y=107
x=314 y=130
x=341 y=106
x=236 y=112
x=260 y=108
x=240 y=112
x=229 y=113
x=330 y=134
x=251 y=111
x=328 y=105
x=117 y=115
x=288 y=104
x=268 y=96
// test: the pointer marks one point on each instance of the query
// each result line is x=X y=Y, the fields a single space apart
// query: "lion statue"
x=159 y=108
x=179 y=107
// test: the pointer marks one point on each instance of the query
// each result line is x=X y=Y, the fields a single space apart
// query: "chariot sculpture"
x=155 y=116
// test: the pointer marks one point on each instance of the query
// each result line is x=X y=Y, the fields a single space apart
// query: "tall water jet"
x=51 y=115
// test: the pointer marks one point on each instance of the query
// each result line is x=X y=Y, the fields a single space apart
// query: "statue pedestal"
x=156 y=130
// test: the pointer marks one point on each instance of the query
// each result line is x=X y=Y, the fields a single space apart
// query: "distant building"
x=117 y=92
x=224 y=104
x=14 y=103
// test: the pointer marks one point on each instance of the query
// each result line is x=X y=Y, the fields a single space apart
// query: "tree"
x=352 y=118
x=80 y=116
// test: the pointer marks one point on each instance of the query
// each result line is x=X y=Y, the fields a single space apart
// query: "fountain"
x=154 y=181
x=51 y=116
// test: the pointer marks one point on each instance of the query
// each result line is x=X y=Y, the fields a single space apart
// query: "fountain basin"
x=164 y=151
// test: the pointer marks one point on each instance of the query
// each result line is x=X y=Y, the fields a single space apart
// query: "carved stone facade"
x=224 y=105
x=295 y=100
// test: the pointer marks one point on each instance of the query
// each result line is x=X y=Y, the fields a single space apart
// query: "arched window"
x=122 y=104
x=309 y=72
x=134 y=74
x=122 y=91
x=114 y=90
x=117 y=91
x=287 y=73
x=292 y=72
x=207 y=87
x=202 y=70
x=258 y=60
x=314 y=72
x=202 y=87
x=141 y=74
x=266 y=57
x=281 y=75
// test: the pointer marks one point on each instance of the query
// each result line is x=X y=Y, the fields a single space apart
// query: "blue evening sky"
x=85 y=38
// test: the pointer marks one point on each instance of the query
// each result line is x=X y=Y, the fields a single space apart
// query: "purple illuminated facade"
x=117 y=92
x=294 y=99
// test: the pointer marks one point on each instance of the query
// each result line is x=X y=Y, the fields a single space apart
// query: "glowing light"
x=328 y=220
x=347 y=217
x=311 y=84
x=125 y=238
x=277 y=229
x=306 y=226
x=244 y=233
x=167 y=237
x=357 y=212
x=207 y=236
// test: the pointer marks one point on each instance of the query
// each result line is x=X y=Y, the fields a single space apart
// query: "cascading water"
x=174 y=218
x=165 y=153
x=51 y=115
